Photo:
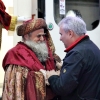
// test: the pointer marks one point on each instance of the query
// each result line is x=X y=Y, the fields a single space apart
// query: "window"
x=89 y=9
x=41 y=8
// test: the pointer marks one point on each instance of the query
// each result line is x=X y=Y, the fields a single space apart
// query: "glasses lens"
x=39 y=35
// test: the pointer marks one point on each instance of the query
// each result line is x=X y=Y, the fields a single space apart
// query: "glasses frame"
x=39 y=35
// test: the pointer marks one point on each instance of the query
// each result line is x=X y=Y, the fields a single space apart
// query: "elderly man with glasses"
x=25 y=64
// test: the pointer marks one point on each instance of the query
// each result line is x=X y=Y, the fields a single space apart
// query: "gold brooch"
x=64 y=71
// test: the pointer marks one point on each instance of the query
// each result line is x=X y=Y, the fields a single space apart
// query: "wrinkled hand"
x=59 y=65
x=58 y=72
x=52 y=72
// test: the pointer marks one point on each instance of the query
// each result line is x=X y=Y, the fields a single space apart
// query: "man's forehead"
x=60 y=29
x=38 y=31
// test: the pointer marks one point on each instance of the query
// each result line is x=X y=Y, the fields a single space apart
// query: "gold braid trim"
x=13 y=23
x=40 y=86
x=50 y=42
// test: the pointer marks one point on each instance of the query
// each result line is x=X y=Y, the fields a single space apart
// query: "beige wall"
x=7 y=43
x=9 y=38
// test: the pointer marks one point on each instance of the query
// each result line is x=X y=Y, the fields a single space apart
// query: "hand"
x=50 y=73
x=58 y=72
x=59 y=65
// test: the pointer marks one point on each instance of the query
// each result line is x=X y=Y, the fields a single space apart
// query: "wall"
x=7 y=43
x=9 y=38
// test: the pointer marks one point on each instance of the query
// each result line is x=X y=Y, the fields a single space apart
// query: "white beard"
x=40 y=49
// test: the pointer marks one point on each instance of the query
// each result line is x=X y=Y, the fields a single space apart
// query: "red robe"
x=22 y=55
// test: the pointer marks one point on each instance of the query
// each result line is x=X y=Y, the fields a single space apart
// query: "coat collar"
x=75 y=43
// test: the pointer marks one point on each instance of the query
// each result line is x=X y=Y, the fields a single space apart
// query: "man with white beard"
x=24 y=64
x=39 y=48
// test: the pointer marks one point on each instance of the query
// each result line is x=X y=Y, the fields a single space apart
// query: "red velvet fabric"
x=30 y=87
x=22 y=55
x=5 y=18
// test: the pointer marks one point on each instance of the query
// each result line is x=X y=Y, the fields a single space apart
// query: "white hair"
x=40 y=49
x=76 y=24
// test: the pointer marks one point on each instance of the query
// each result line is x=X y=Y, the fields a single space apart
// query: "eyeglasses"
x=39 y=35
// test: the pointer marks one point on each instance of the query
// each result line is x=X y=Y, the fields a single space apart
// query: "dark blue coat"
x=80 y=74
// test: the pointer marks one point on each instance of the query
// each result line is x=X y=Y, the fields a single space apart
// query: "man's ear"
x=26 y=36
x=71 y=33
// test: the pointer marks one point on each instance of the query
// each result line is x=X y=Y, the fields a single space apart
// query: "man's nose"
x=42 y=38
